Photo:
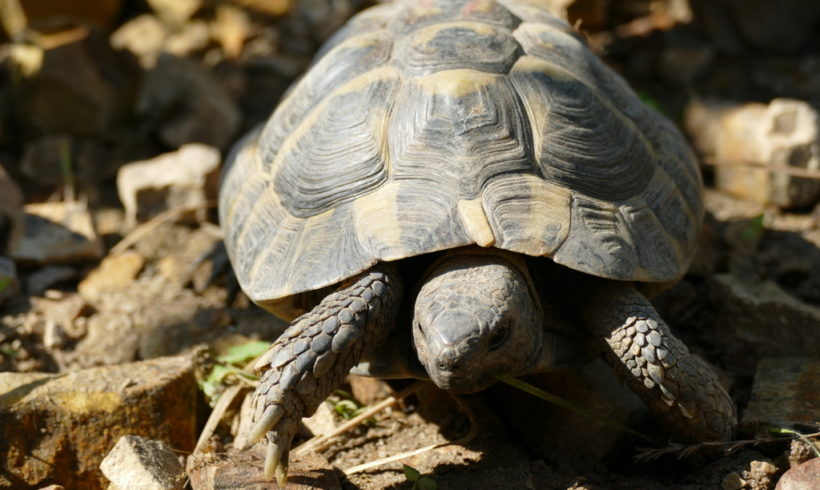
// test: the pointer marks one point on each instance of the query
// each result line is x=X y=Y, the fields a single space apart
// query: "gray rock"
x=187 y=104
x=784 y=135
x=9 y=283
x=784 y=394
x=762 y=320
x=43 y=279
x=85 y=413
x=184 y=178
x=11 y=211
x=139 y=463
x=57 y=232
x=46 y=159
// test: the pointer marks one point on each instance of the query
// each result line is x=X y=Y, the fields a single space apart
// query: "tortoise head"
x=476 y=316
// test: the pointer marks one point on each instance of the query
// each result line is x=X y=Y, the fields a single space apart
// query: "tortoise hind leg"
x=313 y=356
x=678 y=387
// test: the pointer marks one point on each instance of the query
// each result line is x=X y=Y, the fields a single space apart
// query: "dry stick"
x=321 y=442
x=216 y=415
x=807 y=173
x=150 y=225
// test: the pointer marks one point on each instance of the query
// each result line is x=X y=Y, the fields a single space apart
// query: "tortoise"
x=470 y=173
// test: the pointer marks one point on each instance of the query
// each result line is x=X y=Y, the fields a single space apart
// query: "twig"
x=216 y=415
x=807 y=173
x=158 y=220
x=651 y=454
x=393 y=459
x=321 y=442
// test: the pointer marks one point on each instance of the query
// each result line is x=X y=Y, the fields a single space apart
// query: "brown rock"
x=784 y=135
x=137 y=462
x=189 y=104
x=111 y=338
x=804 y=477
x=74 y=83
x=784 y=394
x=184 y=178
x=368 y=391
x=114 y=272
x=175 y=12
x=57 y=232
x=59 y=427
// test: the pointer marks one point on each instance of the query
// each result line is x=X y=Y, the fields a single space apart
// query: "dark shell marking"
x=430 y=125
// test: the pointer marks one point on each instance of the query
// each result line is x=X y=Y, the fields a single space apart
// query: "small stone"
x=323 y=421
x=144 y=36
x=47 y=277
x=184 y=178
x=88 y=411
x=805 y=476
x=57 y=232
x=45 y=16
x=785 y=134
x=799 y=453
x=114 y=272
x=9 y=283
x=760 y=474
x=188 y=104
x=733 y=481
x=137 y=462
x=54 y=337
x=784 y=394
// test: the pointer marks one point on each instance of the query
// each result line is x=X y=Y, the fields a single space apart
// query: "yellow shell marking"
x=376 y=215
x=475 y=221
x=456 y=83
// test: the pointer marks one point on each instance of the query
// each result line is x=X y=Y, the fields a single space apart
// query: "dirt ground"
x=141 y=284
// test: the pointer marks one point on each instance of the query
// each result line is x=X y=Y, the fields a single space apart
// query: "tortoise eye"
x=499 y=336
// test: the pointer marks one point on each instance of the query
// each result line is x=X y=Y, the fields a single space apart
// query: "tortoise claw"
x=274 y=463
x=270 y=417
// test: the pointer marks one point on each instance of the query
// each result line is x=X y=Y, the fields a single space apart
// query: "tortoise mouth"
x=461 y=382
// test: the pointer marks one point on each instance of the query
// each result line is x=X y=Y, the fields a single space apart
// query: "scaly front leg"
x=677 y=386
x=313 y=356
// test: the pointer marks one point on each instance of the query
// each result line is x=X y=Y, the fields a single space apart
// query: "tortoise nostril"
x=447 y=360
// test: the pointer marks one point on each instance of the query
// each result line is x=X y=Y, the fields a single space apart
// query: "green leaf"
x=239 y=354
x=346 y=409
x=210 y=384
x=4 y=283
x=411 y=473
x=426 y=483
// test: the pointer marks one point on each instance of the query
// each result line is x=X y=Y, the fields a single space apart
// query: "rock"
x=58 y=427
x=761 y=320
x=74 y=84
x=322 y=422
x=188 y=104
x=368 y=391
x=136 y=462
x=760 y=475
x=733 y=481
x=9 y=282
x=11 y=211
x=800 y=452
x=175 y=12
x=146 y=37
x=45 y=278
x=114 y=272
x=50 y=16
x=184 y=178
x=784 y=134
x=804 y=477
x=57 y=232
x=682 y=64
x=273 y=8
x=235 y=469
x=784 y=394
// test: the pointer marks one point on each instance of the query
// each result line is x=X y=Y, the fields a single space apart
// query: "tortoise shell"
x=429 y=125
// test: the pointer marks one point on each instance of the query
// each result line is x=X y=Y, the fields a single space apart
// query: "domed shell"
x=426 y=126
